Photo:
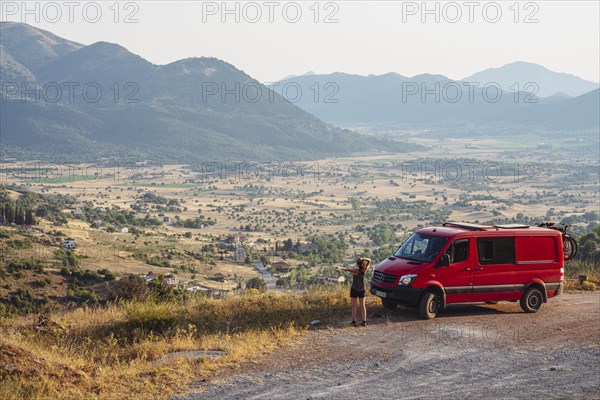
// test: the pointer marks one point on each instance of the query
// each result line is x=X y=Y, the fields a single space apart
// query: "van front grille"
x=383 y=278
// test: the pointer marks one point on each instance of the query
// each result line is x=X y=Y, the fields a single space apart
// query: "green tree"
x=356 y=202
x=29 y=218
x=256 y=283
x=589 y=246
x=288 y=245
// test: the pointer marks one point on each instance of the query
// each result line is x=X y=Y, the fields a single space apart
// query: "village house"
x=166 y=220
x=150 y=277
x=123 y=229
x=69 y=244
x=282 y=266
x=214 y=293
x=220 y=277
x=171 y=280
x=238 y=237
x=196 y=289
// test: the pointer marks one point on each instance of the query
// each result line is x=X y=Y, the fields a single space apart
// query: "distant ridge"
x=432 y=99
x=548 y=82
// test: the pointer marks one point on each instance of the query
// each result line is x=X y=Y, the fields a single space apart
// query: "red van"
x=469 y=263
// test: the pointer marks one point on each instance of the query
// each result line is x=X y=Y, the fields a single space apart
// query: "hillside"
x=582 y=112
x=120 y=105
x=32 y=47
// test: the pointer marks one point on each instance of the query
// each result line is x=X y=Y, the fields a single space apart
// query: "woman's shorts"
x=357 y=293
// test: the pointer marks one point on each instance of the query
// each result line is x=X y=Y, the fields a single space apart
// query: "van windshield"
x=421 y=247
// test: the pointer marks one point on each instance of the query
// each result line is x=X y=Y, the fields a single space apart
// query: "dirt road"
x=475 y=351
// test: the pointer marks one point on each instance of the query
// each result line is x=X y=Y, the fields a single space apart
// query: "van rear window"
x=537 y=248
x=496 y=250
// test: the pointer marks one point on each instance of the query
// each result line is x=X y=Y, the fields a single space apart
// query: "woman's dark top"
x=358 y=282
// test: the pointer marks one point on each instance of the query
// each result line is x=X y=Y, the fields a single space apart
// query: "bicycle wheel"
x=569 y=247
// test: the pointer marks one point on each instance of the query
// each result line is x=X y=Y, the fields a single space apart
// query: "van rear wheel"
x=429 y=305
x=532 y=300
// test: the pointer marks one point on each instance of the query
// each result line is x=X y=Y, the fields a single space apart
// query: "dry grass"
x=114 y=352
x=575 y=268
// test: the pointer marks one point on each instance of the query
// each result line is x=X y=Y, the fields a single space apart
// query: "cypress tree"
x=29 y=217
x=18 y=216
x=10 y=214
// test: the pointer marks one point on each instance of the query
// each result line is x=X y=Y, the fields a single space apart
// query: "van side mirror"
x=444 y=261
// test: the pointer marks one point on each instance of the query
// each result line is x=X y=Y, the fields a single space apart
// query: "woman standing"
x=357 y=290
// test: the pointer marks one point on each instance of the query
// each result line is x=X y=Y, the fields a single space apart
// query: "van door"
x=494 y=274
x=538 y=257
x=457 y=278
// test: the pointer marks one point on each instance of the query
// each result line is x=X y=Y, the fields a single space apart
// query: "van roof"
x=454 y=228
x=477 y=227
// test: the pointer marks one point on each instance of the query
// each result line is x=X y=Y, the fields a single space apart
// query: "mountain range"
x=66 y=101
x=103 y=101
x=511 y=94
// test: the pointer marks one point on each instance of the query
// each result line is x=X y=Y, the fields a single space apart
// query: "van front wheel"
x=429 y=305
x=532 y=300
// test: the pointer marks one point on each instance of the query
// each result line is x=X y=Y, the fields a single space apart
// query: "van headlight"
x=406 y=279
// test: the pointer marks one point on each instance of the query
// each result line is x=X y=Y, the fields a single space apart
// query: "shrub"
x=109 y=276
x=16 y=266
x=587 y=285
x=39 y=283
x=23 y=302
x=130 y=288
x=82 y=296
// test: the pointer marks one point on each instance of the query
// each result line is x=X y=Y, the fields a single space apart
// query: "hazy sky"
x=272 y=39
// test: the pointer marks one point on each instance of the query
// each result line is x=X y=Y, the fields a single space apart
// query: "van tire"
x=429 y=305
x=388 y=305
x=532 y=300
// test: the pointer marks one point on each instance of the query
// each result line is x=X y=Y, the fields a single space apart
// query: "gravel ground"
x=475 y=351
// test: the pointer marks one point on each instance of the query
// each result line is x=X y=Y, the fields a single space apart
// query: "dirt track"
x=475 y=351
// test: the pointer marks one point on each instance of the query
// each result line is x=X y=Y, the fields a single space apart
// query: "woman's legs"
x=353 y=301
x=363 y=309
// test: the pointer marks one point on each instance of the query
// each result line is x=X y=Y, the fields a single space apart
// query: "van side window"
x=496 y=250
x=458 y=251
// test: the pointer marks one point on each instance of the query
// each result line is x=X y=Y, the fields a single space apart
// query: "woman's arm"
x=354 y=271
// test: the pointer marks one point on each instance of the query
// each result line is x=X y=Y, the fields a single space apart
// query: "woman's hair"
x=363 y=264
